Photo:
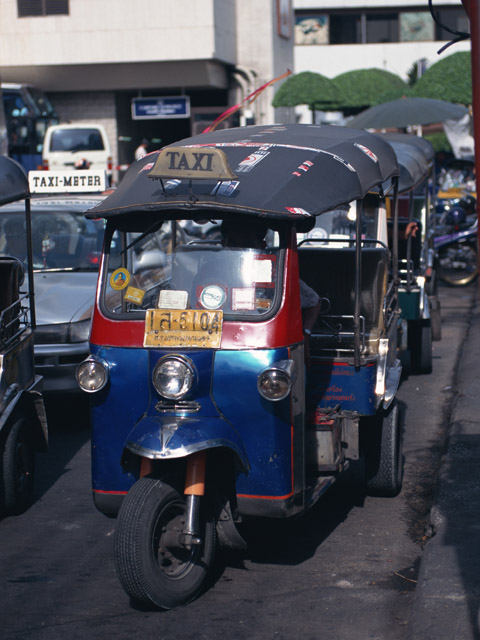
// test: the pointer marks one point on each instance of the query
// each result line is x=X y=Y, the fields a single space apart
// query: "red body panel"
x=283 y=329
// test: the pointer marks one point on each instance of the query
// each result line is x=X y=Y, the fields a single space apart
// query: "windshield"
x=83 y=139
x=156 y=273
x=62 y=239
x=337 y=227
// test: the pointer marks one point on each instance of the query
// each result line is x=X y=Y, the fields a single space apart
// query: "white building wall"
x=102 y=31
x=396 y=57
x=262 y=50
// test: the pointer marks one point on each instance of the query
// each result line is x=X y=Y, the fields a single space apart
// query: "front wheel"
x=153 y=564
x=18 y=463
x=383 y=455
x=457 y=264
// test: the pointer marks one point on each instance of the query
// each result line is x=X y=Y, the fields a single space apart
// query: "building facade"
x=335 y=36
x=102 y=60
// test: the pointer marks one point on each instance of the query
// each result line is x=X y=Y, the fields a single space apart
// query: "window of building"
x=346 y=28
x=382 y=27
x=416 y=26
x=456 y=18
x=370 y=26
x=42 y=8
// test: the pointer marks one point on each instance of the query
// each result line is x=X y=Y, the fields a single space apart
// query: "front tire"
x=152 y=567
x=18 y=466
x=383 y=456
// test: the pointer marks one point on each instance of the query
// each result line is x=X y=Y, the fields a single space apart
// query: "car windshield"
x=157 y=273
x=83 y=139
x=62 y=238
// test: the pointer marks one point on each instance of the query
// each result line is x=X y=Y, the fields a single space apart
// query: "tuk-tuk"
x=205 y=411
x=23 y=425
x=418 y=290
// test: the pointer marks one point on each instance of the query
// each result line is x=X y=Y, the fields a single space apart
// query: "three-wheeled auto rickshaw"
x=418 y=289
x=205 y=411
x=23 y=426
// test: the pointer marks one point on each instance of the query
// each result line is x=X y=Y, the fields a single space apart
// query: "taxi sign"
x=185 y=328
x=77 y=181
x=200 y=163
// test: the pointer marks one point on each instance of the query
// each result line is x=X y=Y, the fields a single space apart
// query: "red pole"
x=472 y=7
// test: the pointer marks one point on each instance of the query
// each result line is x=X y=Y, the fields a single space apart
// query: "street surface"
x=346 y=570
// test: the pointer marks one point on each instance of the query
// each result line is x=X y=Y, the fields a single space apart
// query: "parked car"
x=66 y=256
x=81 y=146
x=66 y=251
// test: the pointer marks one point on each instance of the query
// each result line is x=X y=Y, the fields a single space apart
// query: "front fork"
x=194 y=489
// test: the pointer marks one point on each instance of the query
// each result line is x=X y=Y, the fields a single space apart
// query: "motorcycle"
x=456 y=252
x=203 y=416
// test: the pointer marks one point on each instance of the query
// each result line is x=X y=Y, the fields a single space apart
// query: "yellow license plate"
x=183 y=328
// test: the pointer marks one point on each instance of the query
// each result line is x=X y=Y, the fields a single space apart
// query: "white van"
x=66 y=146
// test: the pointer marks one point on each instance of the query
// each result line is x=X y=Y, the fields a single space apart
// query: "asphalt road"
x=346 y=570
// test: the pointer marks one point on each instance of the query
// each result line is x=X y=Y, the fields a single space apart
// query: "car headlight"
x=92 y=374
x=79 y=331
x=276 y=382
x=51 y=333
x=173 y=377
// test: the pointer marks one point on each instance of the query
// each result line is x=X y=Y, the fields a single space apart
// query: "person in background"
x=141 y=150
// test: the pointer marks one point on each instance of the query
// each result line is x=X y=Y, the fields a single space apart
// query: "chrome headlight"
x=173 y=377
x=275 y=383
x=92 y=374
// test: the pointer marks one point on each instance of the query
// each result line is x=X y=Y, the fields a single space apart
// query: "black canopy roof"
x=415 y=157
x=277 y=171
x=13 y=181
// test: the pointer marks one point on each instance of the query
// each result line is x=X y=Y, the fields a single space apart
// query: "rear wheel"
x=435 y=317
x=153 y=564
x=383 y=455
x=18 y=466
x=420 y=346
x=457 y=264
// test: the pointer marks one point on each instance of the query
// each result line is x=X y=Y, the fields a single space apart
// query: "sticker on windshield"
x=119 y=279
x=135 y=295
x=243 y=299
x=169 y=299
x=212 y=296
x=263 y=269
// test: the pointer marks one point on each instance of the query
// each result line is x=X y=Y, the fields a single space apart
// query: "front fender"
x=168 y=437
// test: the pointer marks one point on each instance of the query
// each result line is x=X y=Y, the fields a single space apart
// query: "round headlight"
x=92 y=375
x=274 y=384
x=173 y=377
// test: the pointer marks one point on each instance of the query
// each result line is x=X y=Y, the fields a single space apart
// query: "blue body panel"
x=332 y=383
x=265 y=427
x=232 y=414
x=167 y=437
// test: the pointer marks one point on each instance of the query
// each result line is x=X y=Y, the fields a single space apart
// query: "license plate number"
x=183 y=328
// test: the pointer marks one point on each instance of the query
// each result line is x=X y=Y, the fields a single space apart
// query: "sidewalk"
x=447 y=598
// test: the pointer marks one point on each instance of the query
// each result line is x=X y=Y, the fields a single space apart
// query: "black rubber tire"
x=435 y=317
x=18 y=468
x=420 y=346
x=150 y=573
x=383 y=455
x=457 y=254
